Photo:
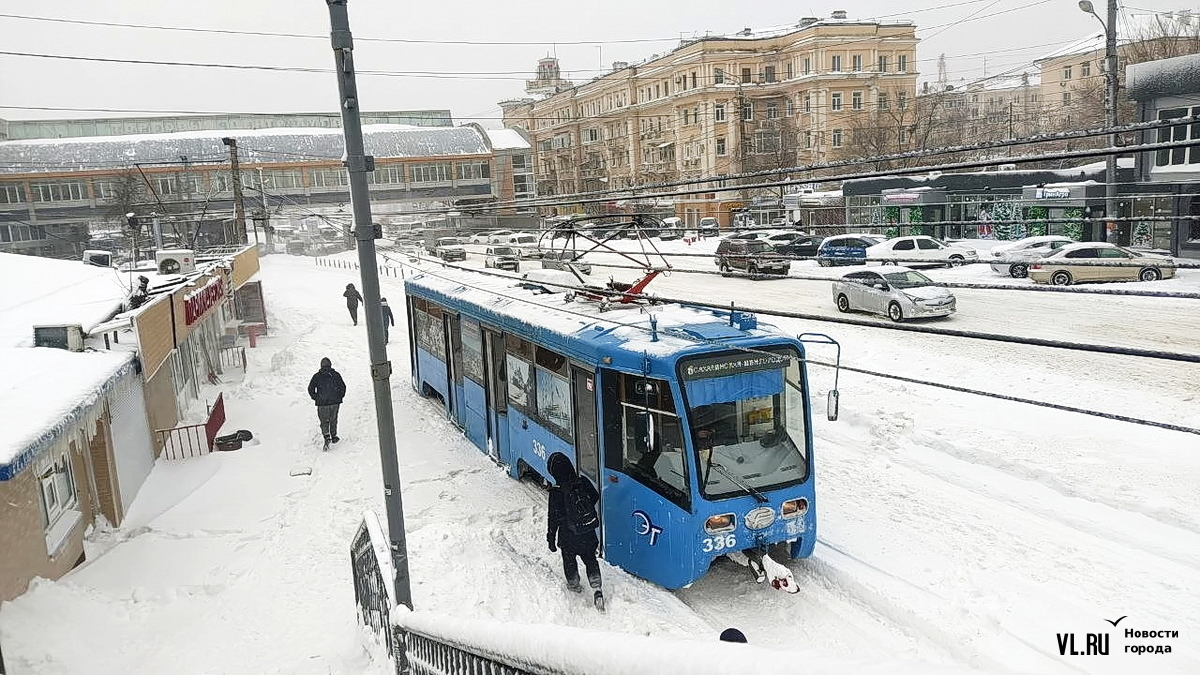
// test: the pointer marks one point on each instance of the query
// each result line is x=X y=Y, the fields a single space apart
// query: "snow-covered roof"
x=46 y=391
x=254 y=146
x=628 y=328
x=44 y=291
x=1166 y=77
x=506 y=139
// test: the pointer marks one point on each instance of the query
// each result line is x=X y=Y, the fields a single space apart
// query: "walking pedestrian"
x=388 y=318
x=571 y=523
x=327 y=389
x=352 y=299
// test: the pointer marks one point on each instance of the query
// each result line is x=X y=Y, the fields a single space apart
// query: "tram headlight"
x=722 y=523
x=794 y=508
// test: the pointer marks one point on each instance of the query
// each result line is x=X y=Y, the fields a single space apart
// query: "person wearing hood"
x=352 y=299
x=571 y=524
x=327 y=389
x=388 y=319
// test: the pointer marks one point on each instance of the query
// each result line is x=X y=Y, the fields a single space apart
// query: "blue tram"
x=693 y=424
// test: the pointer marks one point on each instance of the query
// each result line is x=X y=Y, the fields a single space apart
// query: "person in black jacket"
x=563 y=534
x=352 y=300
x=327 y=390
x=388 y=318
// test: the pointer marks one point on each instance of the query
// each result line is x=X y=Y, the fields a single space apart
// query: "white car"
x=1012 y=258
x=499 y=237
x=898 y=294
x=916 y=250
x=480 y=238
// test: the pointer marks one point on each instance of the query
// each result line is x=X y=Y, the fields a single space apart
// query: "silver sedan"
x=899 y=293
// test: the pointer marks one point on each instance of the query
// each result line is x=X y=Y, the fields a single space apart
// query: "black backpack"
x=581 y=510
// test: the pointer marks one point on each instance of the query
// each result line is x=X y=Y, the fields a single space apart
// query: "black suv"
x=752 y=255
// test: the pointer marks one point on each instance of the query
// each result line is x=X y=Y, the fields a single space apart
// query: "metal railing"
x=371 y=568
x=233 y=357
x=193 y=440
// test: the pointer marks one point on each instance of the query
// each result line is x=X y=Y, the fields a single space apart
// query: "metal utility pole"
x=1110 y=107
x=239 y=235
x=359 y=164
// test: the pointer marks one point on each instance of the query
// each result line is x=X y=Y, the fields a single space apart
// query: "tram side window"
x=520 y=374
x=456 y=347
x=472 y=350
x=652 y=435
x=427 y=318
x=554 y=392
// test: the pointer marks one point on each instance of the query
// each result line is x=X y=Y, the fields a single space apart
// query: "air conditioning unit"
x=68 y=337
x=176 y=261
x=97 y=258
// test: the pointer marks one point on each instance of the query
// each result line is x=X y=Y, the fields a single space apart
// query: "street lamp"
x=1110 y=101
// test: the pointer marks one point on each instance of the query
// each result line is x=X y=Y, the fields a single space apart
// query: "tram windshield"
x=746 y=413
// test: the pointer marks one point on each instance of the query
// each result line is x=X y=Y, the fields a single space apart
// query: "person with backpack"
x=327 y=389
x=571 y=523
x=352 y=299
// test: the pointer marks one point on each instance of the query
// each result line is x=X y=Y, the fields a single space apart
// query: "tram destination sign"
x=732 y=364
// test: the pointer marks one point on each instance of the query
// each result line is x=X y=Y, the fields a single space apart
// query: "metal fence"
x=193 y=440
x=372 y=583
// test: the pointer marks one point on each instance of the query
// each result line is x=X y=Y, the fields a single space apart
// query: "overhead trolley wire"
x=977 y=392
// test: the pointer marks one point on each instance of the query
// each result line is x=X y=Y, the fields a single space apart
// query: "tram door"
x=496 y=376
x=453 y=365
x=587 y=451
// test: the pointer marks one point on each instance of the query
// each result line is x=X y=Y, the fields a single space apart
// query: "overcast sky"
x=439 y=55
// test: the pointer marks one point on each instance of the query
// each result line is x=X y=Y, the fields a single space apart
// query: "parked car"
x=708 y=227
x=557 y=259
x=898 y=294
x=751 y=255
x=1013 y=258
x=449 y=249
x=524 y=243
x=499 y=237
x=803 y=246
x=845 y=249
x=481 y=237
x=1098 y=261
x=778 y=239
x=920 y=249
x=672 y=228
x=502 y=258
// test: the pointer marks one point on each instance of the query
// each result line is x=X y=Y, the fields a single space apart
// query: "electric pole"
x=238 y=235
x=359 y=164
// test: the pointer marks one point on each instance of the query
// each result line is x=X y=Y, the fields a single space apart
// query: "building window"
x=789 y=107
x=856 y=100
x=789 y=70
x=883 y=64
x=807 y=66
x=837 y=138
x=591 y=135
x=522 y=185
x=719 y=76
x=883 y=100
x=856 y=62
x=431 y=173
x=720 y=146
x=835 y=101
x=1066 y=98
x=748 y=110
x=1178 y=132
x=719 y=112
x=808 y=139
x=474 y=170
x=12 y=193
x=520 y=162
x=902 y=100
x=1085 y=69
x=808 y=103
x=1066 y=72
x=321 y=178
x=902 y=63
x=58 y=191
x=684 y=114
x=835 y=64
x=745 y=76
x=772 y=110
x=693 y=79
x=284 y=180
x=769 y=75
x=387 y=175
x=56 y=488
x=766 y=141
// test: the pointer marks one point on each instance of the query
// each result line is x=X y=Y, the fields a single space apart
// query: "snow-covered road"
x=954 y=530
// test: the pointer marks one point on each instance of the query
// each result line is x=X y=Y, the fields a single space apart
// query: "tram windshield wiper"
x=762 y=499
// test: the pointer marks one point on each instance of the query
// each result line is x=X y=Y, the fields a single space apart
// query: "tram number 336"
x=719 y=543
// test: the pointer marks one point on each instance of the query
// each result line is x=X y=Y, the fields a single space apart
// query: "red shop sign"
x=197 y=304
